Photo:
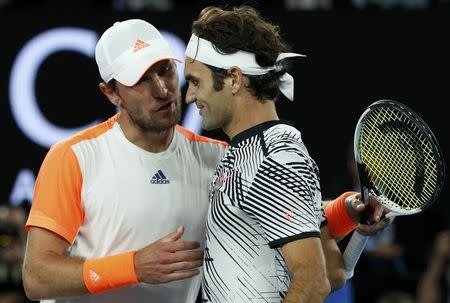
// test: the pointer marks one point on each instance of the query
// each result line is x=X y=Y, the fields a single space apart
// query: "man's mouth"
x=166 y=107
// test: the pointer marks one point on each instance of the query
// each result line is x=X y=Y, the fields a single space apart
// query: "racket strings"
x=394 y=143
x=399 y=141
x=410 y=144
x=410 y=177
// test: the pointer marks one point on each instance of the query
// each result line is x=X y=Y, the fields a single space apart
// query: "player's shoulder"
x=285 y=141
x=64 y=147
x=283 y=134
x=190 y=135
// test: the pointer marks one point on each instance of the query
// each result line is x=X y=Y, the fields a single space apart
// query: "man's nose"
x=159 y=87
x=190 y=95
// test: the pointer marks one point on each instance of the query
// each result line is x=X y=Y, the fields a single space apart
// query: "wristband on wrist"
x=339 y=221
x=109 y=272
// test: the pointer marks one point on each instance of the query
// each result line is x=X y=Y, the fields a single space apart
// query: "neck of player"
x=250 y=112
x=149 y=140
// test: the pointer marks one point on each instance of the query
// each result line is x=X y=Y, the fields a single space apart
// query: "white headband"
x=203 y=50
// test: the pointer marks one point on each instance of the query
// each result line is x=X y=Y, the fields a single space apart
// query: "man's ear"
x=109 y=93
x=237 y=79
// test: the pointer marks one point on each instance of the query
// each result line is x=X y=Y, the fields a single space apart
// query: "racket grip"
x=353 y=251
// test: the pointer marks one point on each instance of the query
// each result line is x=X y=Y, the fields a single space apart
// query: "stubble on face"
x=216 y=112
x=150 y=121
x=207 y=122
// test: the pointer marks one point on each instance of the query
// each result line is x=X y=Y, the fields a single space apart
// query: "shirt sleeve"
x=285 y=198
x=57 y=194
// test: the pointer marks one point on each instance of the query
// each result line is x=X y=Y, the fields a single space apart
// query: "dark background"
x=354 y=57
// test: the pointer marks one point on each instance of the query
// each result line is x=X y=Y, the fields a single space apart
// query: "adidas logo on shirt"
x=159 y=178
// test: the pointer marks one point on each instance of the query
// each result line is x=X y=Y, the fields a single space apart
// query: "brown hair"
x=243 y=28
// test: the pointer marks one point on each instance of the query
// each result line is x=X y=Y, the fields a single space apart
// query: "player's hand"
x=168 y=259
x=373 y=214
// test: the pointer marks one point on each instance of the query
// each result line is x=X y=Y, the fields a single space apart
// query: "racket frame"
x=357 y=242
x=368 y=187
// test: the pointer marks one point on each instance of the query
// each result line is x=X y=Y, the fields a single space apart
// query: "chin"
x=205 y=124
x=209 y=126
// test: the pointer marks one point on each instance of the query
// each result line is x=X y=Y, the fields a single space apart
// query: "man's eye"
x=165 y=69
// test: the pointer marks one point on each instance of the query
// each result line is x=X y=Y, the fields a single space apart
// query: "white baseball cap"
x=127 y=49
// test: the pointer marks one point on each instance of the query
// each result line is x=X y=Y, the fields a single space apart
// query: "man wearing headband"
x=267 y=237
x=119 y=209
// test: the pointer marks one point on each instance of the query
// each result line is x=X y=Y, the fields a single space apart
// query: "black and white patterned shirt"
x=265 y=193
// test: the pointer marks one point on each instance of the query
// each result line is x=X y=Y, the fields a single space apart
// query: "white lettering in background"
x=23 y=188
x=22 y=97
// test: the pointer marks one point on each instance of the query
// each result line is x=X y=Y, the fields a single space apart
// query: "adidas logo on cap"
x=139 y=44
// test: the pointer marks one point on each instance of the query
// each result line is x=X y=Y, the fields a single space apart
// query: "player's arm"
x=306 y=263
x=54 y=220
x=334 y=261
x=49 y=273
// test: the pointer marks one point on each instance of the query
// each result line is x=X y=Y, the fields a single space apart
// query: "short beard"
x=150 y=125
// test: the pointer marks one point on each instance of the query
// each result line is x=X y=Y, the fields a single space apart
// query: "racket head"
x=399 y=159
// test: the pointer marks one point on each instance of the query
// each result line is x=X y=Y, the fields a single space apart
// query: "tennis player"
x=118 y=210
x=265 y=221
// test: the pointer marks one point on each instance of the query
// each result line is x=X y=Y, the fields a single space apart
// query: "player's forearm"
x=341 y=216
x=53 y=276
x=333 y=256
x=308 y=286
x=56 y=276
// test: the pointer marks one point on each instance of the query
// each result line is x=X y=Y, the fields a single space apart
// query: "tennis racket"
x=399 y=162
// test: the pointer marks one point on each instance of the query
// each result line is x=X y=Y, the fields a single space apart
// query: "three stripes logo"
x=139 y=44
x=94 y=276
x=159 y=178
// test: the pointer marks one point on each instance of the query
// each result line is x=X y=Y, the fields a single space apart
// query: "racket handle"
x=353 y=251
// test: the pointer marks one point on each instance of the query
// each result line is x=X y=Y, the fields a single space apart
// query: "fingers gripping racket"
x=399 y=162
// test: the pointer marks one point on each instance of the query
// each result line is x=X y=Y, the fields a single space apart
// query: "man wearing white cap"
x=119 y=209
x=267 y=235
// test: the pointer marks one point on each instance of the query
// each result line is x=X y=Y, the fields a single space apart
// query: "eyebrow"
x=189 y=77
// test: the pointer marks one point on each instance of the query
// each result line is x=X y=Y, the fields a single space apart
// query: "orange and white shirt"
x=106 y=196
